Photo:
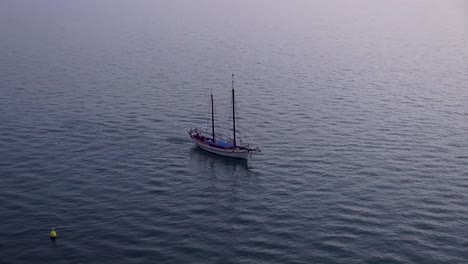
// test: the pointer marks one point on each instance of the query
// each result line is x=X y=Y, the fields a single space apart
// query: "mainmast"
x=212 y=118
x=233 y=112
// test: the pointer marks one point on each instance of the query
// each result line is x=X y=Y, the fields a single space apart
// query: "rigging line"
x=237 y=117
x=227 y=116
x=238 y=124
x=208 y=113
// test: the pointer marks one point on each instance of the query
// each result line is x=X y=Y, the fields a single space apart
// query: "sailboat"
x=222 y=146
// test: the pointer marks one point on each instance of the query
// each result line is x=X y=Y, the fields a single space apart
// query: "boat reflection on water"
x=227 y=179
x=221 y=167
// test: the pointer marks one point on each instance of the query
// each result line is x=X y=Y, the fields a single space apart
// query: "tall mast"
x=212 y=118
x=233 y=112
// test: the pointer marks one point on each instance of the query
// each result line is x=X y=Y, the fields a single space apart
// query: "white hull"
x=232 y=153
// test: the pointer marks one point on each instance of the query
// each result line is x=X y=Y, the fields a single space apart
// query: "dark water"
x=360 y=108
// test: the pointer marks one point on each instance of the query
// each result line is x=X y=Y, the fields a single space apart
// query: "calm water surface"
x=360 y=108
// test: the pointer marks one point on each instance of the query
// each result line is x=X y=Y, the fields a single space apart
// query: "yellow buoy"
x=53 y=234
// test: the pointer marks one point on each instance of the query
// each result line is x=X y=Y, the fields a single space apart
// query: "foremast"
x=212 y=118
x=233 y=113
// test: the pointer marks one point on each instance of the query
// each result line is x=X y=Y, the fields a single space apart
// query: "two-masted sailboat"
x=218 y=145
